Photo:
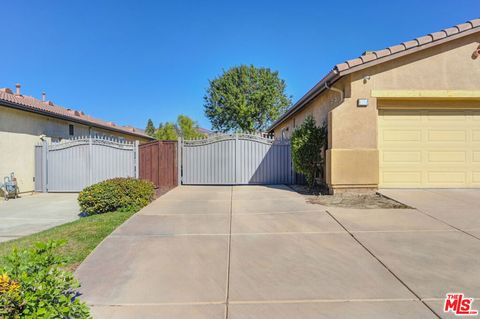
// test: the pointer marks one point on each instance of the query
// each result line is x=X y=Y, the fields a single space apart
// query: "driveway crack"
x=383 y=264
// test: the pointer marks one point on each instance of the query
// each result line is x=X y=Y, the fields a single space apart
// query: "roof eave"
x=68 y=118
x=328 y=80
x=320 y=87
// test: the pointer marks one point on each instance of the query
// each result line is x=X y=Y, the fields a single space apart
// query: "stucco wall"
x=352 y=158
x=20 y=131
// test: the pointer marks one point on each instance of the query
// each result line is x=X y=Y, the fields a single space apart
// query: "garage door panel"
x=446 y=178
x=429 y=148
x=443 y=135
x=447 y=156
x=402 y=135
x=402 y=156
x=402 y=177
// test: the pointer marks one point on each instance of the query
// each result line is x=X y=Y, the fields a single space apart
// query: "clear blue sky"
x=126 y=61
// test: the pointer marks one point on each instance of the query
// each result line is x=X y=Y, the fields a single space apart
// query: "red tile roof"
x=371 y=58
x=405 y=46
x=48 y=108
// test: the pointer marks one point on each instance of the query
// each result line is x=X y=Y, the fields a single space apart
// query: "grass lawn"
x=82 y=236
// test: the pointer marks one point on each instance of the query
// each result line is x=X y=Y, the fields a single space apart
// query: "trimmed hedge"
x=116 y=194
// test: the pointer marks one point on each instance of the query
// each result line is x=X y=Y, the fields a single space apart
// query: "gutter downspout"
x=334 y=89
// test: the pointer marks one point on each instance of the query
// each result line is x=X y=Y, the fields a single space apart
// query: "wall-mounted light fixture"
x=362 y=102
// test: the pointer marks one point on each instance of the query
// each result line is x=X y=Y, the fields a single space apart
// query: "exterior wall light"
x=362 y=102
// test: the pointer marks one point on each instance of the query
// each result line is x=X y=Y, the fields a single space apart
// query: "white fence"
x=229 y=159
x=71 y=165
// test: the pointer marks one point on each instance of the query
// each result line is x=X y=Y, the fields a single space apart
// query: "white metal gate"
x=229 y=159
x=71 y=165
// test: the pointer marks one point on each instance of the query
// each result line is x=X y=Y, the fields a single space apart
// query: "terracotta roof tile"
x=424 y=39
x=341 y=67
x=464 y=26
x=382 y=53
x=451 y=31
x=432 y=37
x=354 y=62
x=396 y=48
x=34 y=104
x=475 y=22
x=410 y=44
x=368 y=57
x=438 y=35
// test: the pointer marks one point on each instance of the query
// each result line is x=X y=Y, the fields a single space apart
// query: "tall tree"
x=150 y=129
x=189 y=129
x=246 y=99
x=167 y=132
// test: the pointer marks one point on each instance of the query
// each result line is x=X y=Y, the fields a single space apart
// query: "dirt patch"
x=348 y=200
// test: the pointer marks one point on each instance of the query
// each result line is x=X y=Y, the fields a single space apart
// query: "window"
x=71 y=130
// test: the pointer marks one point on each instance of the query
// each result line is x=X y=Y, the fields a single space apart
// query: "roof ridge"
x=57 y=110
x=410 y=44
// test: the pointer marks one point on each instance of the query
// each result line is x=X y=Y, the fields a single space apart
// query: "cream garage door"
x=429 y=148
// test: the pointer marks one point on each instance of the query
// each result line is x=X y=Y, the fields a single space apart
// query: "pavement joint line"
x=301 y=301
x=228 y=234
x=281 y=212
x=38 y=219
x=385 y=266
x=186 y=303
x=405 y=231
x=448 y=224
x=249 y=302
x=441 y=220
x=229 y=254
x=179 y=214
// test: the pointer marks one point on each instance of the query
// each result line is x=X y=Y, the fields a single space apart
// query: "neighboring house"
x=407 y=116
x=205 y=131
x=26 y=121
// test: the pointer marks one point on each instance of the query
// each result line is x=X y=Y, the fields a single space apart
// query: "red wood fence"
x=158 y=163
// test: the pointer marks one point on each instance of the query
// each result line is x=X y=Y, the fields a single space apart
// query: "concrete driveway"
x=263 y=252
x=34 y=213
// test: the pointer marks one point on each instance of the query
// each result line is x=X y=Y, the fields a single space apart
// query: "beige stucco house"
x=407 y=116
x=26 y=121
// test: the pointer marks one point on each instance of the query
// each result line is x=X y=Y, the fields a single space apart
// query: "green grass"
x=81 y=236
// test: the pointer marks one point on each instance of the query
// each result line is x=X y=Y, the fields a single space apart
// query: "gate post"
x=90 y=160
x=136 y=158
x=237 y=154
x=179 y=160
x=44 y=166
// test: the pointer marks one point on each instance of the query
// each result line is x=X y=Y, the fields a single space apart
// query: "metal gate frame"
x=71 y=165
x=235 y=159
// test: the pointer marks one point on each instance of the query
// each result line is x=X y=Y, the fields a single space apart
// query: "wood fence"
x=158 y=164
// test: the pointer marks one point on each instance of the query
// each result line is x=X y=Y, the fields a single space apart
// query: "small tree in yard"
x=308 y=141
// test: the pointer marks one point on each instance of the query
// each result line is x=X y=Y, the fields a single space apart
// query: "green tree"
x=245 y=99
x=308 y=143
x=188 y=128
x=167 y=132
x=150 y=129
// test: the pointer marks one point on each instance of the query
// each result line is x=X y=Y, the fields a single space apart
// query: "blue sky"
x=127 y=61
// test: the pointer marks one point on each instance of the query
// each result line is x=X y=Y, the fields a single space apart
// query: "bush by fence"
x=116 y=194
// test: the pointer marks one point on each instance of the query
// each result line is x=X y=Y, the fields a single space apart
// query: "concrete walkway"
x=34 y=213
x=263 y=252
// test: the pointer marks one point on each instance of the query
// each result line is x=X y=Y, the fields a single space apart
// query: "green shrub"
x=116 y=194
x=308 y=142
x=33 y=286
